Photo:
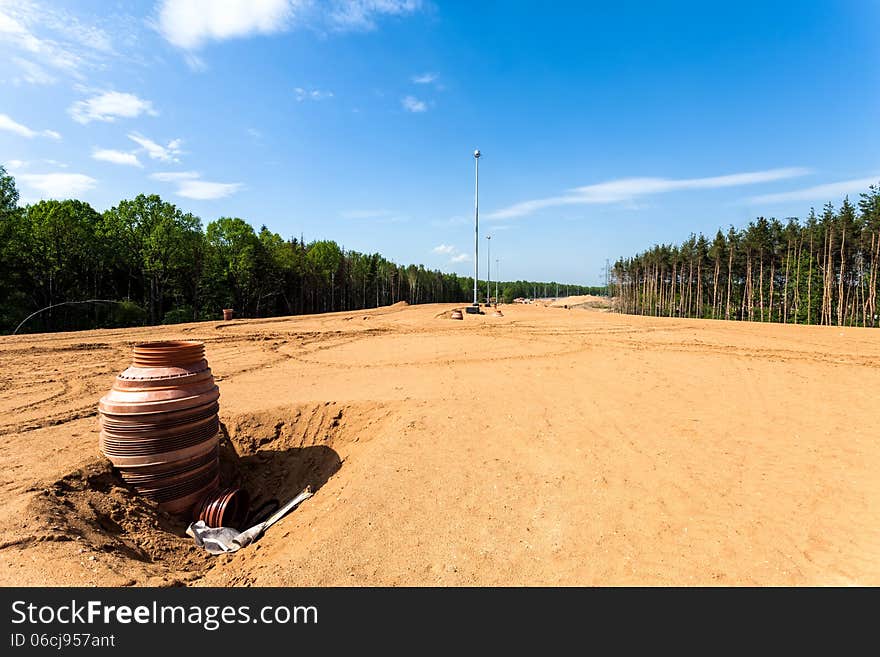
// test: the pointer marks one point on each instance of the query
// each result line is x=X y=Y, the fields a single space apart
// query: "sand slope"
x=549 y=446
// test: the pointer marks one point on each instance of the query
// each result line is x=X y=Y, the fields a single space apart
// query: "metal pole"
x=488 y=269
x=476 y=223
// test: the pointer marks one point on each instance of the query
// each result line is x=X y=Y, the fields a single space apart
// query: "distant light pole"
x=488 y=269
x=476 y=223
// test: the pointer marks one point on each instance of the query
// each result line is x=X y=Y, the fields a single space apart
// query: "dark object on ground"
x=263 y=512
x=225 y=508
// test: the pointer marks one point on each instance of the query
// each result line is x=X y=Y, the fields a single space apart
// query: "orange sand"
x=550 y=446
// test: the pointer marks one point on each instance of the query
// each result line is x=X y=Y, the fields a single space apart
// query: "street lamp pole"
x=476 y=224
x=488 y=269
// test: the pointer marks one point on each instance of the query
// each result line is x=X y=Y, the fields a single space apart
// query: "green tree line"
x=823 y=270
x=156 y=264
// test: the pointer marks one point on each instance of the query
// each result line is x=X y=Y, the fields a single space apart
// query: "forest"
x=146 y=262
x=823 y=270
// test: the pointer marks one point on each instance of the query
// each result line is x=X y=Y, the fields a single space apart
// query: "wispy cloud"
x=10 y=125
x=191 y=24
x=116 y=157
x=168 y=153
x=57 y=185
x=628 y=189
x=175 y=176
x=190 y=185
x=31 y=72
x=424 y=78
x=826 y=192
x=53 y=38
x=413 y=104
x=109 y=106
x=457 y=220
x=195 y=63
x=361 y=15
x=455 y=256
x=311 y=94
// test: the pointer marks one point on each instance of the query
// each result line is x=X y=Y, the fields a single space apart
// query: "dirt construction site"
x=550 y=446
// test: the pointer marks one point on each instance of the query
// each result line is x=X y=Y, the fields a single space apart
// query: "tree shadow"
x=276 y=474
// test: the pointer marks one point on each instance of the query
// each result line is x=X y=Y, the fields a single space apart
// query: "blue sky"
x=605 y=127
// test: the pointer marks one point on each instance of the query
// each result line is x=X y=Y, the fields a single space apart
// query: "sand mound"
x=447 y=314
x=587 y=301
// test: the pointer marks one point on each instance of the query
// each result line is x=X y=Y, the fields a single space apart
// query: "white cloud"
x=628 y=189
x=190 y=185
x=109 y=106
x=413 y=104
x=424 y=78
x=205 y=190
x=32 y=73
x=826 y=192
x=361 y=14
x=10 y=125
x=175 y=176
x=15 y=165
x=57 y=185
x=156 y=151
x=311 y=94
x=51 y=37
x=116 y=157
x=455 y=256
x=189 y=24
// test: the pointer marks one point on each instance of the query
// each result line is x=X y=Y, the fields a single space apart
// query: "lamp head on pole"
x=477 y=154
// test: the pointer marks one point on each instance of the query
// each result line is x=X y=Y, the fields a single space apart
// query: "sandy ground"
x=549 y=446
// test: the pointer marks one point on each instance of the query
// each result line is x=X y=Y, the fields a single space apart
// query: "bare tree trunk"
x=729 y=280
x=785 y=284
x=841 y=304
x=715 y=309
x=810 y=281
x=761 y=284
x=797 y=278
x=772 y=282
